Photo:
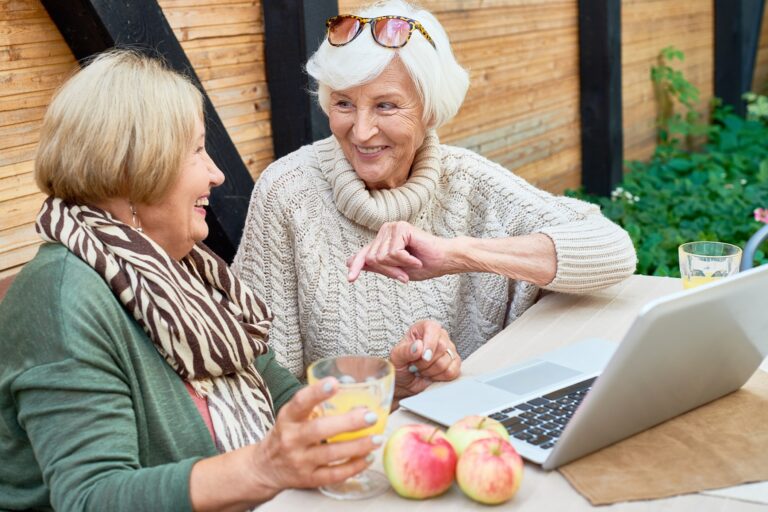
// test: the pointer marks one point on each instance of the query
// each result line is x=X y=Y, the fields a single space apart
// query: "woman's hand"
x=425 y=354
x=403 y=252
x=292 y=454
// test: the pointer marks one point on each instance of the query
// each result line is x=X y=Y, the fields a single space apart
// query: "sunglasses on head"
x=387 y=31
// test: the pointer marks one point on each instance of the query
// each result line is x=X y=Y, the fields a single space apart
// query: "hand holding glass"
x=703 y=262
x=363 y=382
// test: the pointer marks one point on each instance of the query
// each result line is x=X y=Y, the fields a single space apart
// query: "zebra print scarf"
x=202 y=320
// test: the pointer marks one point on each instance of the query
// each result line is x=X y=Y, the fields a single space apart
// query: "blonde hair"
x=120 y=127
x=440 y=80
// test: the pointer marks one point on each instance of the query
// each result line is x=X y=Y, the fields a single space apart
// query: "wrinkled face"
x=177 y=221
x=380 y=126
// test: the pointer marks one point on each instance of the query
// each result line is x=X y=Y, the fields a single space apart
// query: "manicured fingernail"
x=427 y=355
x=413 y=369
x=347 y=379
x=414 y=346
x=371 y=417
x=369 y=458
x=377 y=439
x=328 y=387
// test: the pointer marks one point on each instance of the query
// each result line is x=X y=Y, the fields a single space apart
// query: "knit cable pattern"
x=310 y=212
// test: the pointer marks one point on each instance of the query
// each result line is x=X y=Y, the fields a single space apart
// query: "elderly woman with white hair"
x=445 y=233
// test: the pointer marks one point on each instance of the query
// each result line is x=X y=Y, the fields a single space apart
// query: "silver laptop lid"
x=682 y=351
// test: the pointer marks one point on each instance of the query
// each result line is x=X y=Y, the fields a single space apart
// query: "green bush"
x=682 y=194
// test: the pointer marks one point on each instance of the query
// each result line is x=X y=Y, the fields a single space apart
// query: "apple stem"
x=480 y=425
x=433 y=434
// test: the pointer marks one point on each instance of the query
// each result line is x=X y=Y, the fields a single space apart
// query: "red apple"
x=489 y=471
x=467 y=430
x=419 y=461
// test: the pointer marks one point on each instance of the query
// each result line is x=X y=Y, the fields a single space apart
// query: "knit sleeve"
x=592 y=252
x=77 y=410
x=281 y=383
x=92 y=464
x=265 y=262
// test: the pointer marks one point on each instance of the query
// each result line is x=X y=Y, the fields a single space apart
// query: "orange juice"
x=363 y=382
x=348 y=399
x=694 y=281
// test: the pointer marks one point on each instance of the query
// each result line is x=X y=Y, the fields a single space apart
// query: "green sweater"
x=91 y=416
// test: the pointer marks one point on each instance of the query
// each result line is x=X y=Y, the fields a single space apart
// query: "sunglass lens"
x=391 y=32
x=343 y=30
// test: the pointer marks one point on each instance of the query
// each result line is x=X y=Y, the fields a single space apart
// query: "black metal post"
x=293 y=29
x=93 y=26
x=602 y=140
x=737 y=34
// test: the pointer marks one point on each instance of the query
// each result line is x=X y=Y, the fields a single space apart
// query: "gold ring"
x=448 y=351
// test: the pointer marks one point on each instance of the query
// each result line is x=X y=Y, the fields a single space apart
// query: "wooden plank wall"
x=34 y=61
x=522 y=109
x=760 y=80
x=224 y=40
x=648 y=26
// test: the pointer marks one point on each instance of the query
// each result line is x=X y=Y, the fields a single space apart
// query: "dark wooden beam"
x=93 y=26
x=602 y=141
x=293 y=29
x=737 y=34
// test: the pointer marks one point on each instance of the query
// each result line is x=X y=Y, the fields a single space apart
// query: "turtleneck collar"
x=372 y=208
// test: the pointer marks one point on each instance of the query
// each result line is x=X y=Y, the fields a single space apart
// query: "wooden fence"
x=522 y=109
x=34 y=61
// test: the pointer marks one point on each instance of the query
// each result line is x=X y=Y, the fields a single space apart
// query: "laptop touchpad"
x=527 y=380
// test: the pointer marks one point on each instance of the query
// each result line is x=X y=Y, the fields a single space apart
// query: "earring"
x=135 y=220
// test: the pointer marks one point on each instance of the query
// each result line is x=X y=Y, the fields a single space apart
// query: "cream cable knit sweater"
x=309 y=212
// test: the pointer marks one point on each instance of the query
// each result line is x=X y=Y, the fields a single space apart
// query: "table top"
x=554 y=321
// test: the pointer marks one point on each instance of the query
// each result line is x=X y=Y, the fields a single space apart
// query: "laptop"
x=682 y=351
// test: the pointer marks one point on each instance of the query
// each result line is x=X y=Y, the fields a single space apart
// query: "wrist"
x=261 y=485
x=229 y=482
x=458 y=253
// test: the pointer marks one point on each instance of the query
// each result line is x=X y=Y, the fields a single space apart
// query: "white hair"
x=441 y=82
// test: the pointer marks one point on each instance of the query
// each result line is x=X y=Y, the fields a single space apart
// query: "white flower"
x=743 y=182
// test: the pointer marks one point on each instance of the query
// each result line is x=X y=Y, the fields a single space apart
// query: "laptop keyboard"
x=541 y=421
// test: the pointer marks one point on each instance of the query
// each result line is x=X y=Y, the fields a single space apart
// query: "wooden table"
x=554 y=321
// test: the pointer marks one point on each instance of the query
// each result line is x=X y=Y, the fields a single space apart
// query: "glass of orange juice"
x=704 y=262
x=364 y=381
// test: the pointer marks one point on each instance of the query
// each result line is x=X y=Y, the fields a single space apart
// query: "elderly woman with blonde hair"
x=465 y=242
x=135 y=370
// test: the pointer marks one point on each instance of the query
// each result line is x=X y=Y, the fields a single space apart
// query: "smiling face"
x=380 y=126
x=177 y=221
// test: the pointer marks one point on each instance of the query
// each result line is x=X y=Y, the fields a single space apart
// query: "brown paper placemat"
x=719 y=444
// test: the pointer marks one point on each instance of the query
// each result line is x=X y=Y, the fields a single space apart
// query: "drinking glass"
x=364 y=381
x=703 y=262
